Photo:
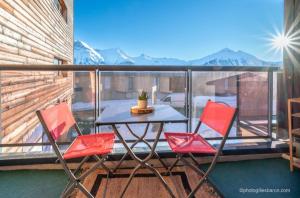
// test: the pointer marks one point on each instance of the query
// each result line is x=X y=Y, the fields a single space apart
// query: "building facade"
x=33 y=32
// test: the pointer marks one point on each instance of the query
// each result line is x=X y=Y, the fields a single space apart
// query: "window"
x=226 y=86
x=130 y=83
x=78 y=89
x=61 y=6
x=107 y=82
x=156 y=83
x=57 y=61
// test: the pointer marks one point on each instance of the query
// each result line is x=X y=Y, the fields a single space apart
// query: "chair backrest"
x=218 y=116
x=57 y=119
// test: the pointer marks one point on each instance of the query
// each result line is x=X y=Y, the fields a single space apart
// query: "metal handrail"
x=134 y=68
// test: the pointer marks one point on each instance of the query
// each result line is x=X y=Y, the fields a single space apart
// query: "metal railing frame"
x=150 y=68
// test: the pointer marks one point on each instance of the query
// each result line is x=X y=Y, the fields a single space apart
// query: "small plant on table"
x=143 y=100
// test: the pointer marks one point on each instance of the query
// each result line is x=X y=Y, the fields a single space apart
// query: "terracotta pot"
x=142 y=104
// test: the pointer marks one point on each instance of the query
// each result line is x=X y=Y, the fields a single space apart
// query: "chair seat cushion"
x=87 y=145
x=188 y=143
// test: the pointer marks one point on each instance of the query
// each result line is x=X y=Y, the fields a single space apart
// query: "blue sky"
x=185 y=29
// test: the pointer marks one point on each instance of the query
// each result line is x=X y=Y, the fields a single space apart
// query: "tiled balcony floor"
x=229 y=177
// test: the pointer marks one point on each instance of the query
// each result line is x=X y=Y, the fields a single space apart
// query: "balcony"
x=221 y=81
x=96 y=88
x=185 y=88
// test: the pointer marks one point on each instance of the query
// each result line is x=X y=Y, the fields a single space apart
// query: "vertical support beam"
x=190 y=98
x=187 y=92
x=99 y=89
x=270 y=102
x=95 y=99
x=238 y=105
x=99 y=92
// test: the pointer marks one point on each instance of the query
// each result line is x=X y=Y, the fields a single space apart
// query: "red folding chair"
x=217 y=116
x=57 y=121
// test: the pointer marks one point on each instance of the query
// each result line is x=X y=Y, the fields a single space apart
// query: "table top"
x=121 y=114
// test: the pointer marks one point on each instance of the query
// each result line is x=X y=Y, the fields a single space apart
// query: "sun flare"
x=281 y=41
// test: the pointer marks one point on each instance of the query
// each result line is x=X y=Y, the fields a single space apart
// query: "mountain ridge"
x=84 y=54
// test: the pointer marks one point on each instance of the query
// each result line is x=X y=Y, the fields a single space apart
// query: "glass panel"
x=246 y=90
x=274 y=105
x=25 y=92
x=253 y=104
x=83 y=101
x=122 y=89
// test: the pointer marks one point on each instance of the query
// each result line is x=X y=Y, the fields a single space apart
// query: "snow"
x=200 y=101
x=143 y=59
x=83 y=106
x=228 y=57
x=115 y=56
x=84 y=54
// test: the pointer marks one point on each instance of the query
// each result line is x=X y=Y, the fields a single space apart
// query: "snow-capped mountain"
x=228 y=57
x=115 y=56
x=143 y=59
x=84 y=54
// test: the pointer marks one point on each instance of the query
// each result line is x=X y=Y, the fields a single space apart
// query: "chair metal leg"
x=86 y=173
x=103 y=165
x=205 y=176
x=81 y=164
x=67 y=186
x=192 y=194
x=173 y=165
x=75 y=182
x=84 y=190
x=195 y=168
x=192 y=166
x=68 y=190
x=194 y=159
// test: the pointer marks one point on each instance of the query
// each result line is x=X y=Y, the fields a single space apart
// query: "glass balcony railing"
x=91 y=89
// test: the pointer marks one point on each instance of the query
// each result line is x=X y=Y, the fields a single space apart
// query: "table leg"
x=139 y=139
x=143 y=163
x=130 y=178
x=132 y=146
x=160 y=178
x=142 y=139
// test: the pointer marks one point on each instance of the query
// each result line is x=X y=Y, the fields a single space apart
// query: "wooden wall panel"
x=32 y=32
